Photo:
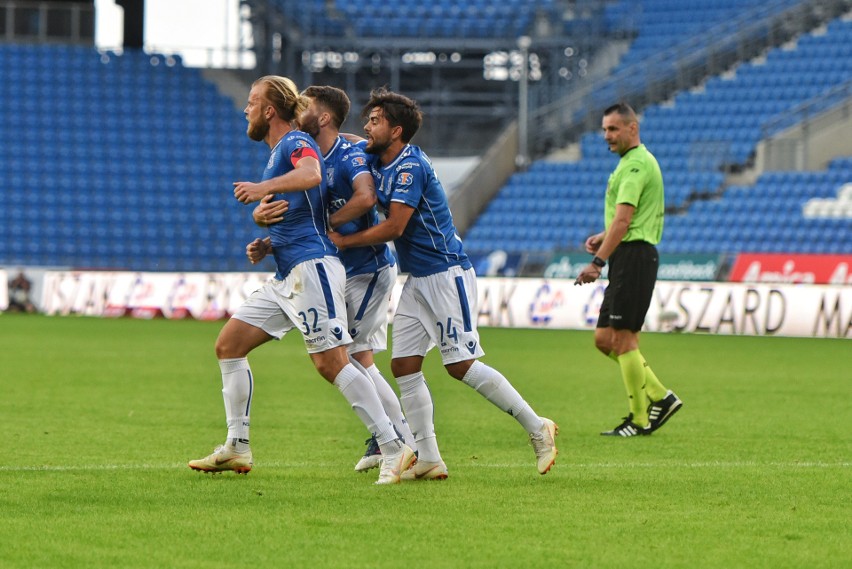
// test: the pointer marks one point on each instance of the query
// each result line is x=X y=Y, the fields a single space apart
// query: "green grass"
x=100 y=417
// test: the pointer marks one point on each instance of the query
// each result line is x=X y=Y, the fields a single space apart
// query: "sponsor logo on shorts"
x=337 y=332
x=471 y=346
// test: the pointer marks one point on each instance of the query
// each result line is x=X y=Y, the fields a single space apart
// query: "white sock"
x=390 y=403
x=491 y=384
x=419 y=410
x=237 y=388
x=361 y=395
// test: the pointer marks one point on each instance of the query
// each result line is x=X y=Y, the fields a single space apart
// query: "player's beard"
x=257 y=131
x=375 y=147
x=310 y=127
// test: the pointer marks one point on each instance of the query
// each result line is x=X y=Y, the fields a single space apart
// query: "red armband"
x=302 y=152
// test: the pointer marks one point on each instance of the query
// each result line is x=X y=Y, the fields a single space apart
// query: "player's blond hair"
x=283 y=95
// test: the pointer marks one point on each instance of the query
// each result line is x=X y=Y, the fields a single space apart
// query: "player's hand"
x=589 y=274
x=269 y=212
x=337 y=239
x=248 y=192
x=258 y=249
x=593 y=243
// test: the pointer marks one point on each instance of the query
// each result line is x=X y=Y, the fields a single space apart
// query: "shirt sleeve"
x=354 y=164
x=301 y=152
x=633 y=181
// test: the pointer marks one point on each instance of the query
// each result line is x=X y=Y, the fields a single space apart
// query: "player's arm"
x=612 y=237
x=363 y=198
x=391 y=228
x=353 y=138
x=306 y=174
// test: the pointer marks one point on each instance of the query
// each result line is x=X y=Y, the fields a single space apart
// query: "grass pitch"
x=100 y=417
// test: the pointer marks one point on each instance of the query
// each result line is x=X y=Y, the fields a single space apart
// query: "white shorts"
x=438 y=310
x=310 y=299
x=367 y=299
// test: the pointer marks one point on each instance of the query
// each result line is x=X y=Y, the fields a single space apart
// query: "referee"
x=633 y=217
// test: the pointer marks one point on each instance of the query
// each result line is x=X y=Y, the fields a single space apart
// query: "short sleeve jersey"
x=638 y=181
x=302 y=235
x=343 y=163
x=430 y=243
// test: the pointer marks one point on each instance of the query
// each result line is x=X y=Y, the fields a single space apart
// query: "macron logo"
x=337 y=332
x=471 y=346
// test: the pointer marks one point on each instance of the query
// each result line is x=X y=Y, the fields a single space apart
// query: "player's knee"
x=327 y=370
x=603 y=342
x=228 y=347
x=404 y=366
x=459 y=369
x=223 y=350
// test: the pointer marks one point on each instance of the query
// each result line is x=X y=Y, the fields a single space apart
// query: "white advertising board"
x=4 y=290
x=703 y=307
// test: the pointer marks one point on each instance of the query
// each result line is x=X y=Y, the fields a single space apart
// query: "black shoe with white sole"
x=661 y=411
x=628 y=429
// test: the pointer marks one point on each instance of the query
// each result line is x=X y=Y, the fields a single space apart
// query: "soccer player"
x=438 y=301
x=633 y=218
x=307 y=292
x=370 y=271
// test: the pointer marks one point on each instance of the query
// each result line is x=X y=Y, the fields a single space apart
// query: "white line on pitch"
x=586 y=466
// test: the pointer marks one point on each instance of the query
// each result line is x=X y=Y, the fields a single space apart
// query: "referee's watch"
x=598 y=262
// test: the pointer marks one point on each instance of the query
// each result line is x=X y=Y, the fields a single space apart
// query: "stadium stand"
x=413 y=18
x=119 y=161
x=697 y=137
x=142 y=151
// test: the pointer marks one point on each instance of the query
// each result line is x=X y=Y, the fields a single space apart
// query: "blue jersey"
x=302 y=234
x=343 y=163
x=430 y=243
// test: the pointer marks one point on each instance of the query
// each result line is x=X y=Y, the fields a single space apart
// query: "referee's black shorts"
x=632 y=276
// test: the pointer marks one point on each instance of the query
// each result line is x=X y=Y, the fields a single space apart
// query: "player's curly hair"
x=398 y=109
x=283 y=95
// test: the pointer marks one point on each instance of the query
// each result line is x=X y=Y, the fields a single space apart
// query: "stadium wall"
x=770 y=309
x=810 y=144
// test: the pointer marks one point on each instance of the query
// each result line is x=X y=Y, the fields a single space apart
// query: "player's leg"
x=367 y=298
x=257 y=321
x=633 y=275
x=663 y=403
x=654 y=389
x=451 y=299
x=410 y=344
x=618 y=310
x=633 y=374
x=319 y=310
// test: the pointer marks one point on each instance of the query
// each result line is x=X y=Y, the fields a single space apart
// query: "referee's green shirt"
x=637 y=181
